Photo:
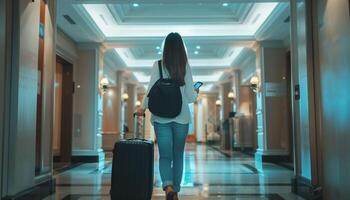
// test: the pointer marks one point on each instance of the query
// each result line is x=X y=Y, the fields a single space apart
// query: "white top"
x=189 y=95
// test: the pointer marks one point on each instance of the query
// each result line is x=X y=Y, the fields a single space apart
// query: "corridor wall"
x=333 y=26
x=19 y=171
x=86 y=142
x=86 y=59
x=306 y=170
x=3 y=84
x=246 y=108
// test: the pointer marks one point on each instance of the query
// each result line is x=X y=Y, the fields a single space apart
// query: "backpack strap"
x=160 y=69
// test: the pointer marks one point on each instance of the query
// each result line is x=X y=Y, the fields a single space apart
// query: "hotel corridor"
x=270 y=121
x=209 y=174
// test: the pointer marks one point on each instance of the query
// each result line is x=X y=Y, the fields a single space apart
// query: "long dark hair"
x=175 y=57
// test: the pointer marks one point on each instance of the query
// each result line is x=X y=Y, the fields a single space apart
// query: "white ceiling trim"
x=104 y=19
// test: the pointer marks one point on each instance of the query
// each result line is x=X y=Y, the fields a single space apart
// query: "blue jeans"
x=171 y=138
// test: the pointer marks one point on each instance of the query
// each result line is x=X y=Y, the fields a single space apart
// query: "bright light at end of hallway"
x=110 y=93
x=208 y=78
x=206 y=87
x=141 y=77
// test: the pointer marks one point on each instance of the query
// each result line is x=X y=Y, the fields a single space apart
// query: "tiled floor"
x=208 y=175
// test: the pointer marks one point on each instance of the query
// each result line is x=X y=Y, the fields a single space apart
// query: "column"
x=220 y=111
x=235 y=123
x=236 y=89
x=119 y=102
x=226 y=108
x=226 y=104
x=101 y=52
x=88 y=104
x=271 y=102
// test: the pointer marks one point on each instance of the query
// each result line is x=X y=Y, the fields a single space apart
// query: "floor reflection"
x=208 y=174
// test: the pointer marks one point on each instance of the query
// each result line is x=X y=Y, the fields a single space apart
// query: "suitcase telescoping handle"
x=138 y=115
x=139 y=125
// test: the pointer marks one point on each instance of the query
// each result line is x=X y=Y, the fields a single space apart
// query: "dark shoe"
x=176 y=197
x=170 y=196
x=169 y=193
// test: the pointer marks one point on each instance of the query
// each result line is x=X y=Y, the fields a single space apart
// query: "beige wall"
x=276 y=104
x=110 y=111
x=85 y=108
x=87 y=60
x=246 y=108
x=334 y=68
x=130 y=106
x=20 y=173
x=271 y=101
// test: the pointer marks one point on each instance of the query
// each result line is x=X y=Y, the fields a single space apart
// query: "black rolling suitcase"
x=132 y=167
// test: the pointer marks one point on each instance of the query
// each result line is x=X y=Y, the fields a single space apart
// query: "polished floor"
x=208 y=174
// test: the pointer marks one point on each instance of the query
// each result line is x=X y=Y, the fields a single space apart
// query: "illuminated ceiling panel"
x=130 y=61
x=214 y=77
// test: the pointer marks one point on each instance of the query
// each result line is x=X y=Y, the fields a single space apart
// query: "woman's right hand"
x=197 y=90
x=140 y=112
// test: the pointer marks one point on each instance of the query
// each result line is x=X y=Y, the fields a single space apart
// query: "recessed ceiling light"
x=159 y=52
x=135 y=4
x=198 y=47
x=196 y=52
x=225 y=4
x=158 y=47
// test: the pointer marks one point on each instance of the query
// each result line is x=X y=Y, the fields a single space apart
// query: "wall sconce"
x=104 y=83
x=231 y=95
x=125 y=97
x=138 y=103
x=254 y=84
x=218 y=102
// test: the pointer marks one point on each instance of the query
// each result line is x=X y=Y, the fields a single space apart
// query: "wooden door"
x=64 y=109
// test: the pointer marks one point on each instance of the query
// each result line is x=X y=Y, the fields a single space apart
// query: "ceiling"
x=215 y=34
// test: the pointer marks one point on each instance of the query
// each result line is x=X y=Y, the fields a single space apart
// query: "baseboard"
x=85 y=159
x=37 y=192
x=271 y=158
x=305 y=189
x=56 y=159
x=244 y=149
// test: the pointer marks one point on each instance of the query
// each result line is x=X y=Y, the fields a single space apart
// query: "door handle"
x=297 y=92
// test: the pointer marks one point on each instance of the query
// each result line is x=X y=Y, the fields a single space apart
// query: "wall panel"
x=2 y=81
x=334 y=69
x=23 y=96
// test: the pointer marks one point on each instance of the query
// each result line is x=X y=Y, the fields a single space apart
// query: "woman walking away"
x=171 y=131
